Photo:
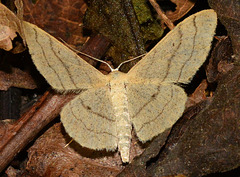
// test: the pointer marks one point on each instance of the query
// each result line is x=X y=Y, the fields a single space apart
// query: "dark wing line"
x=152 y=120
x=64 y=63
x=69 y=74
x=150 y=100
x=173 y=55
x=36 y=38
x=193 y=48
x=89 y=129
x=95 y=113
x=78 y=66
x=169 y=59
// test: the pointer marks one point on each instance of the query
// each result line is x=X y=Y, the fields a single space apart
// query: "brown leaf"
x=77 y=159
x=221 y=60
x=198 y=95
x=49 y=157
x=9 y=19
x=229 y=15
x=6 y=37
x=17 y=78
x=11 y=172
x=62 y=19
x=183 y=7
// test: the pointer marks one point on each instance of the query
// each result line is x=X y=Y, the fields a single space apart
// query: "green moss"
x=119 y=21
x=142 y=11
x=151 y=28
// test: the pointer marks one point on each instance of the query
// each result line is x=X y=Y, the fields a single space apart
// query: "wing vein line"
x=44 y=55
x=193 y=49
x=152 y=120
x=173 y=55
x=69 y=74
x=89 y=129
x=150 y=100
x=95 y=113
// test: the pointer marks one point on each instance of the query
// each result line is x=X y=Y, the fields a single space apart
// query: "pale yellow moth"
x=146 y=98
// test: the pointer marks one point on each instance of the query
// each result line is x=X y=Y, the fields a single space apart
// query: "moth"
x=147 y=98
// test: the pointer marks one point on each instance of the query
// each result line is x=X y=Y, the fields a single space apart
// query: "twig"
x=16 y=136
x=166 y=20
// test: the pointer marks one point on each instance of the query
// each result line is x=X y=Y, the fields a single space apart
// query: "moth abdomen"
x=123 y=120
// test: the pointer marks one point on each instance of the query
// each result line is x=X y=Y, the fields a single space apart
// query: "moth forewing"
x=177 y=57
x=62 y=68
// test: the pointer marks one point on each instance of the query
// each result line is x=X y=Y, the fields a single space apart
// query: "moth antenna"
x=68 y=143
x=129 y=61
x=87 y=55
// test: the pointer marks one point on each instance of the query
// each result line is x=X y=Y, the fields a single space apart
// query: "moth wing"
x=178 y=56
x=90 y=121
x=61 y=67
x=154 y=107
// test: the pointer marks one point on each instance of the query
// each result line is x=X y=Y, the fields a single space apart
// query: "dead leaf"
x=221 y=60
x=6 y=37
x=49 y=157
x=229 y=15
x=9 y=25
x=62 y=19
x=9 y=19
x=183 y=7
x=198 y=95
x=11 y=172
x=17 y=78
